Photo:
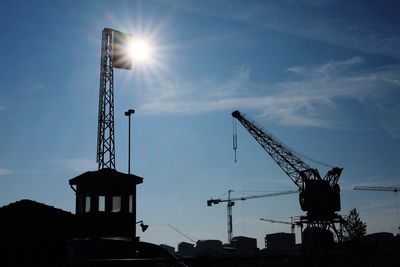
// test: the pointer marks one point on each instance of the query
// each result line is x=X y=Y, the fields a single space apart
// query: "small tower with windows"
x=106 y=203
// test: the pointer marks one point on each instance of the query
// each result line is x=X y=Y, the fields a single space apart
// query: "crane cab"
x=320 y=199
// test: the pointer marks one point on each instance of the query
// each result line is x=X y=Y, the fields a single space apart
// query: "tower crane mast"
x=231 y=202
x=319 y=196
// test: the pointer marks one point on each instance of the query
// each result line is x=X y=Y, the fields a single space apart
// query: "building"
x=106 y=203
x=168 y=248
x=244 y=245
x=280 y=241
x=209 y=247
x=186 y=249
x=34 y=233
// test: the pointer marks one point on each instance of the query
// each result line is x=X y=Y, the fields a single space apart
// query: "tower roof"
x=106 y=176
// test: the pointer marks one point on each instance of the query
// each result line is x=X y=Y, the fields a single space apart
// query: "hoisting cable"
x=234 y=128
x=315 y=161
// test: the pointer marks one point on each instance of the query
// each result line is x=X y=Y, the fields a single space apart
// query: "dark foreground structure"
x=102 y=230
x=35 y=234
x=102 y=233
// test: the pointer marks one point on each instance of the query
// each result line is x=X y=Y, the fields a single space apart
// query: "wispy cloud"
x=4 y=171
x=335 y=22
x=2 y=105
x=77 y=165
x=308 y=97
x=33 y=87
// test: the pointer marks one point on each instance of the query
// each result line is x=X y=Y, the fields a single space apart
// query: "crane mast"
x=319 y=197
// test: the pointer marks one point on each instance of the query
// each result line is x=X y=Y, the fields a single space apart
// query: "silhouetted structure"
x=168 y=248
x=106 y=203
x=280 y=241
x=32 y=232
x=244 y=245
x=315 y=237
x=113 y=55
x=319 y=196
x=209 y=247
x=186 y=249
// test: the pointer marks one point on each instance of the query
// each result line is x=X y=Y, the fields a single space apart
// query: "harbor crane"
x=231 y=202
x=395 y=189
x=319 y=196
x=292 y=223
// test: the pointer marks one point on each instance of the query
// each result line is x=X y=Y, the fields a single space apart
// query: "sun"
x=140 y=51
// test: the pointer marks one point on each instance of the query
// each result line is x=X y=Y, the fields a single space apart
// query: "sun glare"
x=140 y=51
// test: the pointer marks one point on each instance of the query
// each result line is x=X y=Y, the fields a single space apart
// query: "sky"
x=322 y=76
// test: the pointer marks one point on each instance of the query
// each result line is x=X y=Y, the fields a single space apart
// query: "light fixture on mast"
x=114 y=54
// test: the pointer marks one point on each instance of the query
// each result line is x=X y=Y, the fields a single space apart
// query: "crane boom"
x=292 y=224
x=297 y=170
x=395 y=189
x=320 y=197
x=217 y=201
x=377 y=188
x=182 y=233
x=275 y=221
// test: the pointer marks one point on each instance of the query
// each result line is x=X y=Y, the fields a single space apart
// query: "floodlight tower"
x=114 y=54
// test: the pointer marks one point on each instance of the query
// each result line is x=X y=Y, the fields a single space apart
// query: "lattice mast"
x=105 y=132
x=114 y=54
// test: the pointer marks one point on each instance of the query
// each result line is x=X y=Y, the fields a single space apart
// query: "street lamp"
x=129 y=113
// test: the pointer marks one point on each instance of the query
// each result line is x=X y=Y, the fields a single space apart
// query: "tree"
x=353 y=226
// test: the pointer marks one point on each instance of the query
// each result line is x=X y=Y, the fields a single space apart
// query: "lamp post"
x=129 y=113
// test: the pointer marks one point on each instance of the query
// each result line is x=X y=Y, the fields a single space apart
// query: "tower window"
x=130 y=203
x=102 y=203
x=87 y=204
x=116 y=204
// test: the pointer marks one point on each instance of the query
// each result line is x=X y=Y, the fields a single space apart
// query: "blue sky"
x=322 y=76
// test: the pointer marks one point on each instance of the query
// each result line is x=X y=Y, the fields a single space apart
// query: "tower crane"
x=319 y=196
x=231 y=202
x=395 y=189
x=292 y=223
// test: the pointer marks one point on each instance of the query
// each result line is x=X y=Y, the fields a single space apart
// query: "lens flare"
x=140 y=51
